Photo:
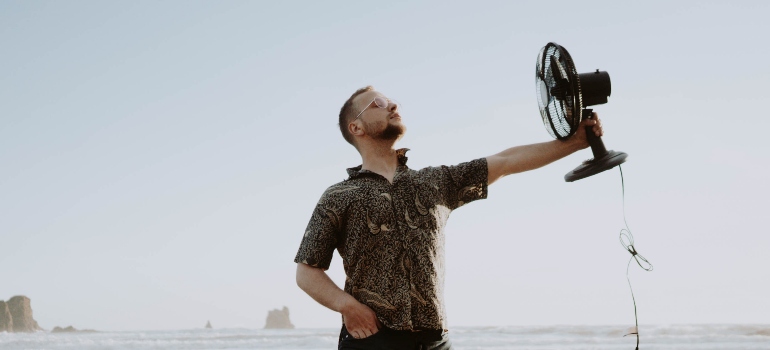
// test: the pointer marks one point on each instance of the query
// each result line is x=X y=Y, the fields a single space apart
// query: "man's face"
x=379 y=123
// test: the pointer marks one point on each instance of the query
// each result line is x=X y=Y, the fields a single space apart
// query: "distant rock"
x=6 y=322
x=21 y=315
x=208 y=325
x=71 y=329
x=278 y=319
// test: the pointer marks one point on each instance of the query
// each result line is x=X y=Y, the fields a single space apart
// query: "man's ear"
x=355 y=129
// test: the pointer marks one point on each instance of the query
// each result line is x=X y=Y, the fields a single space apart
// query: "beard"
x=392 y=132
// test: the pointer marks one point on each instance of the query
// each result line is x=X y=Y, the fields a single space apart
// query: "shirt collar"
x=356 y=171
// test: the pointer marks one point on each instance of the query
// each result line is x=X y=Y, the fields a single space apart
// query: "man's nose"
x=393 y=106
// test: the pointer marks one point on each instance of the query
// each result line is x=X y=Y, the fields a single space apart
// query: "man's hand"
x=360 y=320
x=579 y=138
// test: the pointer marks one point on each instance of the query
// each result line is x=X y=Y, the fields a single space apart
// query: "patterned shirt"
x=391 y=237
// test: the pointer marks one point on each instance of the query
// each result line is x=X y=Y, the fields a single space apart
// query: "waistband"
x=416 y=334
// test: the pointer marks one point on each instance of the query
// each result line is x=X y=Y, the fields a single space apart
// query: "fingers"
x=363 y=329
x=598 y=126
x=363 y=333
x=360 y=321
x=596 y=123
x=366 y=330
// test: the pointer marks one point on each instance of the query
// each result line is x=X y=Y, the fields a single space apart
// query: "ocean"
x=674 y=337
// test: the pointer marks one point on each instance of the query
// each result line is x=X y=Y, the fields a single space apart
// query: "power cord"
x=627 y=240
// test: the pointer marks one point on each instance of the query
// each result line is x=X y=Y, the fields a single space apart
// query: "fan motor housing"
x=595 y=87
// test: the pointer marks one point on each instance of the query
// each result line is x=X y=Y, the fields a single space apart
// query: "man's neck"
x=381 y=159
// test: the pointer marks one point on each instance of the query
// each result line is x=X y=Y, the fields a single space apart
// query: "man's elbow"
x=304 y=275
x=495 y=168
x=300 y=275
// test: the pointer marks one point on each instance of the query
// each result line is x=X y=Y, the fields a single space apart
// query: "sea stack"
x=278 y=319
x=6 y=322
x=70 y=329
x=20 y=312
x=208 y=325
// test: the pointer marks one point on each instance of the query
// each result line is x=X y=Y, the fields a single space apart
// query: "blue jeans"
x=390 y=339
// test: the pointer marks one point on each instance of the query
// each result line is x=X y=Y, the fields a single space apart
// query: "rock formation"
x=278 y=319
x=20 y=312
x=208 y=325
x=71 y=329
x=6 y=322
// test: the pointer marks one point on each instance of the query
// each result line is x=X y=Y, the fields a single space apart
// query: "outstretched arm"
x=528 y=157
x=360 y=320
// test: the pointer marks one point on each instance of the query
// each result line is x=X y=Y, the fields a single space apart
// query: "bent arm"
x=317 y=284
x=529 y=157
x=360 y=320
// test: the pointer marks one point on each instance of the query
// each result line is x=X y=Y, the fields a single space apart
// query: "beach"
x=679 y=337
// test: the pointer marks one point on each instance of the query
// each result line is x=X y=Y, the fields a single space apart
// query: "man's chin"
x=393 y=132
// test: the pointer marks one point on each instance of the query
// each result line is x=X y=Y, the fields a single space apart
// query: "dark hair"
x=346 y=114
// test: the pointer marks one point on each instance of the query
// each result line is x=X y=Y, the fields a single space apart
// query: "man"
x=387 y=221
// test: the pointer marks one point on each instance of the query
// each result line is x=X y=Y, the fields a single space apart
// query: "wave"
x=713 y=336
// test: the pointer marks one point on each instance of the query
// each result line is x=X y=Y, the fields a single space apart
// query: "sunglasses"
x=380 y=102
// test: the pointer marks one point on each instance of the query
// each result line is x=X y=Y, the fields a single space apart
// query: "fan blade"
x=561 y=87
x=557 y=70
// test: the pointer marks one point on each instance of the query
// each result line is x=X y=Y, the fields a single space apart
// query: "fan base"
x=595 y=166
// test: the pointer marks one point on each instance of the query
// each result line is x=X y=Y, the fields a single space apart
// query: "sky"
x=159 y=161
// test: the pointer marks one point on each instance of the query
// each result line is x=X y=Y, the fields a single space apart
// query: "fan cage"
x=560 y=116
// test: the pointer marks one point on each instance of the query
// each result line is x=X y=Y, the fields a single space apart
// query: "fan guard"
x=562 y=100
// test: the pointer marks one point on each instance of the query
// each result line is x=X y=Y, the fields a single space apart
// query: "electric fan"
x=563 y=94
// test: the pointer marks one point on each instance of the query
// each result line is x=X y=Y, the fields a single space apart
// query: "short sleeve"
x=465 y=182
x=321 y=236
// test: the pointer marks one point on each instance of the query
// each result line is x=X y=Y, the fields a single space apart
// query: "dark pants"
x=389 y=339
